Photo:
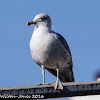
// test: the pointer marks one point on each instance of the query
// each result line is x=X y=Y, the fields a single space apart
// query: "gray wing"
x=67 y=74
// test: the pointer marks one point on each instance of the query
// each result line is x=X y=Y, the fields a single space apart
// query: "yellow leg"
x=57 y=74
x=43 y=73
x=57 y=85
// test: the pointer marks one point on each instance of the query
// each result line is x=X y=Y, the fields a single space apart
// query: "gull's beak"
x=30 y=23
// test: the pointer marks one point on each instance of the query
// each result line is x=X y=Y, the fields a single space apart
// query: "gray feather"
x=65 y=75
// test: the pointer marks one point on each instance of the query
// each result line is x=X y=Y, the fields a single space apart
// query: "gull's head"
x=41 y=20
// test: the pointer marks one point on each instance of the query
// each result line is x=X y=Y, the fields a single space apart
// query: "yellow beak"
x=31 y=22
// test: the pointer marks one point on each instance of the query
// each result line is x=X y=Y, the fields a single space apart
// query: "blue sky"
x=78 y=21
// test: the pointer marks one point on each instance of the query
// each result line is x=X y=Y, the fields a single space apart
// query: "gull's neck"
x=43 y=28
x=40 y=32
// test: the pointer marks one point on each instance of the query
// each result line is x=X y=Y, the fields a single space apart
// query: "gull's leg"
x=43 y=73
x=57 y=76
x=57 y=85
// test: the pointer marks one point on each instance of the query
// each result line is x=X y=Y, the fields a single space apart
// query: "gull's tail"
x=65 y=75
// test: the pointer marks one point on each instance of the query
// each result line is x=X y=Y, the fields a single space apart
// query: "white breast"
x=47 y=49
x=39 y=45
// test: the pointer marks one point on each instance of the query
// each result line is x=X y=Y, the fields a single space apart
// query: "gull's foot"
x=57 y=85
x=43 y=84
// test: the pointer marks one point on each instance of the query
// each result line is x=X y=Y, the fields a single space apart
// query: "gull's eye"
x=43 y=18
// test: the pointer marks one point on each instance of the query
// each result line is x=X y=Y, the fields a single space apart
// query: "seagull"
x=51 y=51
